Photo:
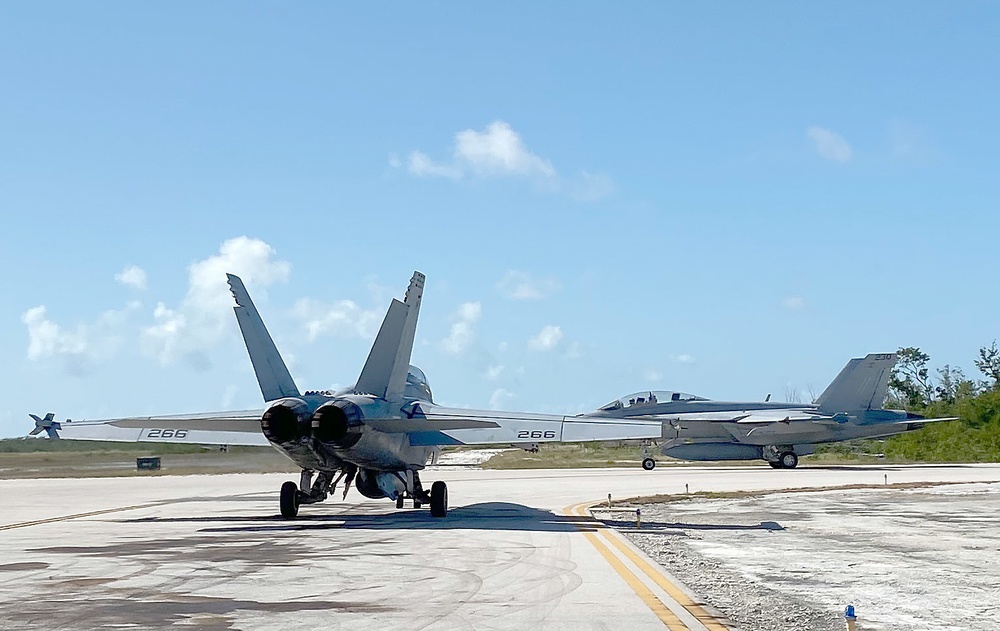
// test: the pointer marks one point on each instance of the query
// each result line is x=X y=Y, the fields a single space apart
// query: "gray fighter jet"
x=378 y=434
x=696 y=428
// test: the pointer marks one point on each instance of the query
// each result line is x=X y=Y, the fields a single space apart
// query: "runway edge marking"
x=657 y=606
x=681 y=597
x=52 y=520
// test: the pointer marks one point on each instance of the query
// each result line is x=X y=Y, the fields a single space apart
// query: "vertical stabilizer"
x=272 y=374
x=384 y=374
x=861 y=385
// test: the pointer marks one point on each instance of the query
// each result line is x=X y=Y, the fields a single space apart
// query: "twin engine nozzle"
x=338 y=423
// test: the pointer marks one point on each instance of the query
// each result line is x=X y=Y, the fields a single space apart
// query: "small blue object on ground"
x=849 y=613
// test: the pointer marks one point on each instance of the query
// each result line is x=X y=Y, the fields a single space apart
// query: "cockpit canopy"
x=417 y=386
x=649 y=397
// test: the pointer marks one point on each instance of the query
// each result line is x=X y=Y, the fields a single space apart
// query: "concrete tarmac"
x=517 y=550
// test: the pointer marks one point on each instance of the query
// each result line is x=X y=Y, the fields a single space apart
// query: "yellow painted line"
x=707 y=619
x=667 y=617
x=52 y=520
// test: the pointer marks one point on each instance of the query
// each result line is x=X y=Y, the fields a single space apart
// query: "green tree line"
x=943 y=392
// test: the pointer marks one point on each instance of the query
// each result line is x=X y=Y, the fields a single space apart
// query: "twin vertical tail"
x=384 y=374
x=861 y=385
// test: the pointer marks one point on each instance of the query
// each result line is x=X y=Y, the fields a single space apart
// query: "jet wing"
x=741 y=416
x=495 y=427
x=220 y=428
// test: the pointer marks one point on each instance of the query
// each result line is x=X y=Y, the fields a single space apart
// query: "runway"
x=517 y=551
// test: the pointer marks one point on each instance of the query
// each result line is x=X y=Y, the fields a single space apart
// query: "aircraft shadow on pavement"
x=484 y=516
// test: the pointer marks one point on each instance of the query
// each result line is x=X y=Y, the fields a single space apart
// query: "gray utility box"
x=147 y=464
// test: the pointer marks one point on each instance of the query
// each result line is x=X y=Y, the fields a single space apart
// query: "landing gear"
x=648 y=464
x=788 y=460
x=439 y=499
x=289 y=500
x=399 y=501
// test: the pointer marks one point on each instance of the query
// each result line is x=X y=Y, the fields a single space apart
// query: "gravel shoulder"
x=907 y=558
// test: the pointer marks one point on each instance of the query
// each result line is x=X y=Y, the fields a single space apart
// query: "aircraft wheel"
x=399 y=501
x=788 y=460
x=289 y=500
x=439 y=499
x=648 y=464
x=417 y=504
x=775 y=464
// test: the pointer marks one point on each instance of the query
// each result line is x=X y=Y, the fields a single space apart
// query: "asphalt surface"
x=517 y=550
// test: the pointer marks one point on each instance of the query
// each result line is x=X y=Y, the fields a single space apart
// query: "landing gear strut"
x=648 y=463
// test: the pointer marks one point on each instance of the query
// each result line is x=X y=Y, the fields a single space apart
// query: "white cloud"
x=522 y=286
x=653 y=375
x=132 y=276
x=344 y=318
x=493 y=372
x=499 y=398
x=793 y=303
x=829 y=145
x=420 y=164
x=206 y=309
x=546 y=339
x=80 y=346
x=462 y=329
x=498 y=150
x=683 y=358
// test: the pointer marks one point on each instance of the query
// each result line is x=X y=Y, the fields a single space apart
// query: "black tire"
x=439 y=499
x=289 y=500
x=775 y=464
x=788 y=460
x=417 y=504
x=399 y=501
x=648 y=464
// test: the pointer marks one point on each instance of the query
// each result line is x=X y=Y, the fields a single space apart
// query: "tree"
x=989 y=364
x=910 y=382
x=953 y=385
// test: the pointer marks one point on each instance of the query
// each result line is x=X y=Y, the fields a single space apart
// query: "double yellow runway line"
x=592 y=528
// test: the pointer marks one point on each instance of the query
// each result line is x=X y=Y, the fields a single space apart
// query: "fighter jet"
x=696 y=428
x=378 y=434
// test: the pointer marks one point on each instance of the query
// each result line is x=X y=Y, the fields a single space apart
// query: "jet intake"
x=285 y=420
x=338 y=423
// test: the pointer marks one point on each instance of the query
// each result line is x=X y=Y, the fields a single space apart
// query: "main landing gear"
x=292 y=497
x=648 y=463
x=781 y=457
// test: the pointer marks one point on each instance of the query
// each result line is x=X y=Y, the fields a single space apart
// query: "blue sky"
x=722 y=199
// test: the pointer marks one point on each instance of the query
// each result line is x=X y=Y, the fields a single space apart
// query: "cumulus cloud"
x=493 y=372
x=829 y=145
x=80 y=346
x=546 y=339
x=132 y=276
x=683 y=358
x=499 y=151
x=499 y=398
x=653 y=375
x=462 y=331
x=344 y=318
x=522 y=286
x=206 y=309
x=793 y=303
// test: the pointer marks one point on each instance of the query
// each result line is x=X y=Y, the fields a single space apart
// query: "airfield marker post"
x=638 y=518
x=850 y=618
x=687 y=491
x=885 y=478
x=609 y=500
